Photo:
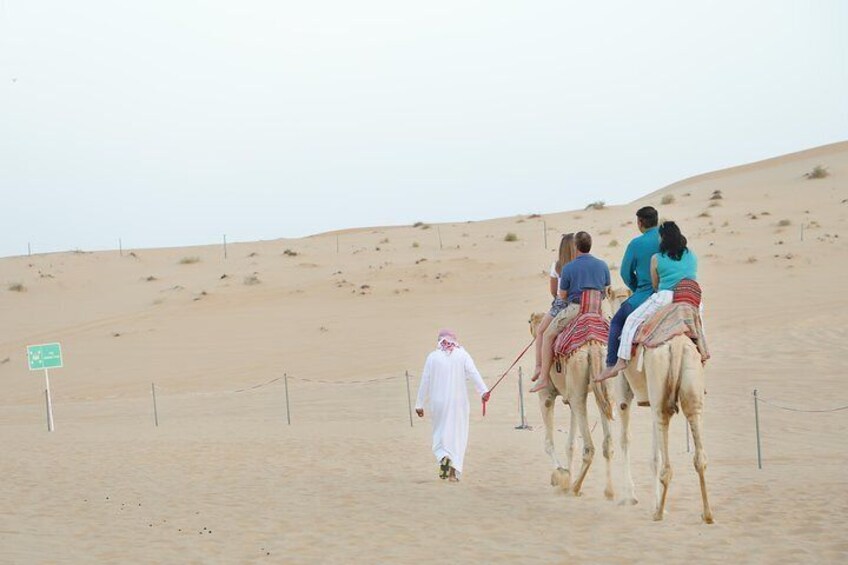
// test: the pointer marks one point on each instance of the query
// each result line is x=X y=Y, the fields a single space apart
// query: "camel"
x=572 y=383
x=672 y=375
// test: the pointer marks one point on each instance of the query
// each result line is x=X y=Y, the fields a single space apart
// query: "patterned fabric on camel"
x=589 y=325
x=681 y=317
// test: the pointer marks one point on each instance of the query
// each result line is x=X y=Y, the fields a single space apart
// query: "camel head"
x=535 y=320
x=616 y=297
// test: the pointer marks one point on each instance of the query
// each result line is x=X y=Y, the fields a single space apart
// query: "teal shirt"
x=672 y=272
x=636 y=266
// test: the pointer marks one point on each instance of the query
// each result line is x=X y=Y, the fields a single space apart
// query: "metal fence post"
x=409 y=399
x=288 y=412
x=155 y=410
x=757 y=423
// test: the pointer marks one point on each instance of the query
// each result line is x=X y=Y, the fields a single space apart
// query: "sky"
x=173 y=122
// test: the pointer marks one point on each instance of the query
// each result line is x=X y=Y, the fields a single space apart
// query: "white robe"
x=443 y=385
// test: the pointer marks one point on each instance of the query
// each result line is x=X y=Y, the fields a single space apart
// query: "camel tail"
x=672 y=383
x=596 y=364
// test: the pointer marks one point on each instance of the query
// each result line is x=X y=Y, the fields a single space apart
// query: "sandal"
x=444 y=468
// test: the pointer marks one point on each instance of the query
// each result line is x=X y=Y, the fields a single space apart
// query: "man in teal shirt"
x=636 y=272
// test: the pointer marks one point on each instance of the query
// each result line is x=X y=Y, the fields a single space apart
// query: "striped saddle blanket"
x=589 y=325
x=681 y=317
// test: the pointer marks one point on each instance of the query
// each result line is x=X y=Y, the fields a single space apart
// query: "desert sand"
x=225 y=478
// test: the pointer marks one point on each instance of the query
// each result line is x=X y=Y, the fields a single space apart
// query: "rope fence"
x=285 y=378
x=759 y=399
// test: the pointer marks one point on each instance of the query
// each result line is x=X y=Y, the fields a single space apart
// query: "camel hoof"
x=708 y=519
x=631 y=501
x=658 y=516
x=561 y=478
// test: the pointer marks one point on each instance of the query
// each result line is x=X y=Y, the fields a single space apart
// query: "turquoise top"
x=672 y=272
x=636 y=266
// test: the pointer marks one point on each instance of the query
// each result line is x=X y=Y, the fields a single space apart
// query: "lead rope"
x=517 y=359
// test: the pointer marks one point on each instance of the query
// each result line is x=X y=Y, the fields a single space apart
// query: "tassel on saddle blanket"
x=589 y=325
x=681 y=317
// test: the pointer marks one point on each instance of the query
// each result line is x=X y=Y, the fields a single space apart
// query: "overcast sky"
x=171 y=122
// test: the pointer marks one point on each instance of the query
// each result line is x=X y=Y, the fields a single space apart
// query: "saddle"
x=681 y=317
x=589 y=325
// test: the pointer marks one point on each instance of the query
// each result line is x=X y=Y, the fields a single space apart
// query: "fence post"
x=409 y=399
x=523 y=425
x=120 y=247
x=545 y=229
x=29 y=249
x=439 y=231
x=802 y=231
x=155 y=410
x=288 y=413
x=757 y=422
x=225 y=246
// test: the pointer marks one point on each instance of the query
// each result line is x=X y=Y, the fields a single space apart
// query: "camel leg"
x=625 y=399
x=588 y=447
x=546 y=406
x=663 y=463
x=701 y=465
x=692 y=404
x=609 y=491
x=565 y=481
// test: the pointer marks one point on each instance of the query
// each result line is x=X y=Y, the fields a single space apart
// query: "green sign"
x=47 y=356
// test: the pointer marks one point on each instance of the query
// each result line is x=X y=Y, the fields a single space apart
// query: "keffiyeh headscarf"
x=447 y=341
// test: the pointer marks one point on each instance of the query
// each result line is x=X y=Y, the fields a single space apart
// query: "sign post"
x=45 y=357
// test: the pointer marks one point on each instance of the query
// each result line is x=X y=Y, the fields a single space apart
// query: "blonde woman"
x=566 y=255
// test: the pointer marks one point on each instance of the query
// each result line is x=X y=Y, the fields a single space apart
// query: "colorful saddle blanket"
x=589 y=325
x=681 y=317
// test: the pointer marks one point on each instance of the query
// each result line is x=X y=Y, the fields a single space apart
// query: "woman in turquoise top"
x=672 y=264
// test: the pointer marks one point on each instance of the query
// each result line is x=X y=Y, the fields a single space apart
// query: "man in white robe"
x=443 y=384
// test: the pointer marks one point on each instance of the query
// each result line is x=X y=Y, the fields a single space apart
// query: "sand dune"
x=224 y=478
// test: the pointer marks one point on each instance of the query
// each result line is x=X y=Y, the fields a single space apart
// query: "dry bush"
x=714 y=204
x=251 y=280
x=510 y=237
x=704 y=214
x=384 y=240
x=716 y=195
x=290 y=253
x=667 y=199
x=613 y=243
x=818 y=172
x=597 y=205
x=415 y=244
x=151 y=278
x=417 y=224
x=605 y=232
x=533 y=216
x=751 y=259
x=189 y=260
x=784 y=223
x=17 y=287
x=254 y=254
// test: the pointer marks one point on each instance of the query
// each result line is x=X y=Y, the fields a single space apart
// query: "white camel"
x=572 y=382
x=672 y=376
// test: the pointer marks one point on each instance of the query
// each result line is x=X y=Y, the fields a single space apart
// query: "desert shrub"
x=715 y=204
x=784 y=223
x=415 y=244
x=17 y=287
x=290 y=253
x=613 y=243
x=667 y=199
x=510 y=237
x=597 y=205
x=818 y=172
x=533 y=216
x=716 y=195
x=251 y=280
x=704 y=214
x=189 y=260
x=417 y=224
